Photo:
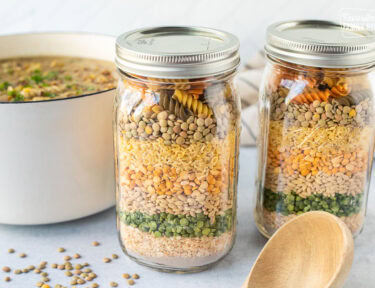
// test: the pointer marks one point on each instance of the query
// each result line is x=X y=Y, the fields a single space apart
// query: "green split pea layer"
x=169 y=225
x=340 y=205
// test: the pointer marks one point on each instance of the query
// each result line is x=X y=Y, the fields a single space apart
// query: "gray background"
x=247 y=19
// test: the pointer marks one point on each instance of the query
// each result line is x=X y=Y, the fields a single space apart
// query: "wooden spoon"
x=314 y=250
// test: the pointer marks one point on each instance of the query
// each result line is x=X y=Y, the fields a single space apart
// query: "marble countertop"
x=41 y=243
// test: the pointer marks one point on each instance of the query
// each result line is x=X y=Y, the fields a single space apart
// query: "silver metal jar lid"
x=321 y=44
x=177 y=52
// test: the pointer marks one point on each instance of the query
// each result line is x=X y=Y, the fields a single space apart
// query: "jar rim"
x=302 y=68
x=319 y=43
x=177 y=52
x=169 y=81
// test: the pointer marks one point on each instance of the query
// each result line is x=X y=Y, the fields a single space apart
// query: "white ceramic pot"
x=56 y=157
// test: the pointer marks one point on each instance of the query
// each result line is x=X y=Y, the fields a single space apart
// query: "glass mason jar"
x=177 y=142
x=317 y=124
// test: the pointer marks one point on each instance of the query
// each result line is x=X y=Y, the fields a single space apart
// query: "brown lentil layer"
x=152 y=122
x=321 y=113
x=166 y=126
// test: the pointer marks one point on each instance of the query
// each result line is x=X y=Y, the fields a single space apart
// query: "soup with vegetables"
x=46 y=78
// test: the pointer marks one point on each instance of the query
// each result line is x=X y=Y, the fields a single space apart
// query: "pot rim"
x=77 y=33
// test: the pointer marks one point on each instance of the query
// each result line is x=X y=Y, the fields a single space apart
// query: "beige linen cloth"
x=248 y=82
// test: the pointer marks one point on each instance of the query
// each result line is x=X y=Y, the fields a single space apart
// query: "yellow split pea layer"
x=310 y=161
x=169 y=169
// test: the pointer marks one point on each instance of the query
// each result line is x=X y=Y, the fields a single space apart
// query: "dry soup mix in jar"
x=317 y=123
x=177 y=143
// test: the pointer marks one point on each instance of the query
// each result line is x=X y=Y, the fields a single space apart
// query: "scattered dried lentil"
x=45 y=279
x=61 y=267
x=76 y=256
x=78 y=266
x=95 y=243
x=106 y=260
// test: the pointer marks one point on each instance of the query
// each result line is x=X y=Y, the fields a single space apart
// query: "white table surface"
x=41 y=243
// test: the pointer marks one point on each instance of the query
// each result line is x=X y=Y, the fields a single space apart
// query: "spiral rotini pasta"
x=173 y=106
x=280 y=74
x=309 y=95
x=194 y=105
x=175 y=83
x=339 y=86
x=340 y=90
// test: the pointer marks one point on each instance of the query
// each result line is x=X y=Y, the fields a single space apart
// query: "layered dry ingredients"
x=320 y=146
x=177 y=146
x=46 y=78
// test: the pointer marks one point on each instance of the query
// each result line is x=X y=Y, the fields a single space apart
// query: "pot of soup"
x=56 y=144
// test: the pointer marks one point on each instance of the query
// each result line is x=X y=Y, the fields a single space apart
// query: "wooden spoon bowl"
x=314 y=250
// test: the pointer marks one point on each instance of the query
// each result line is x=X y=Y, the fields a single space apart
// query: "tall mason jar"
x=317 y=123
x=177 y=142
